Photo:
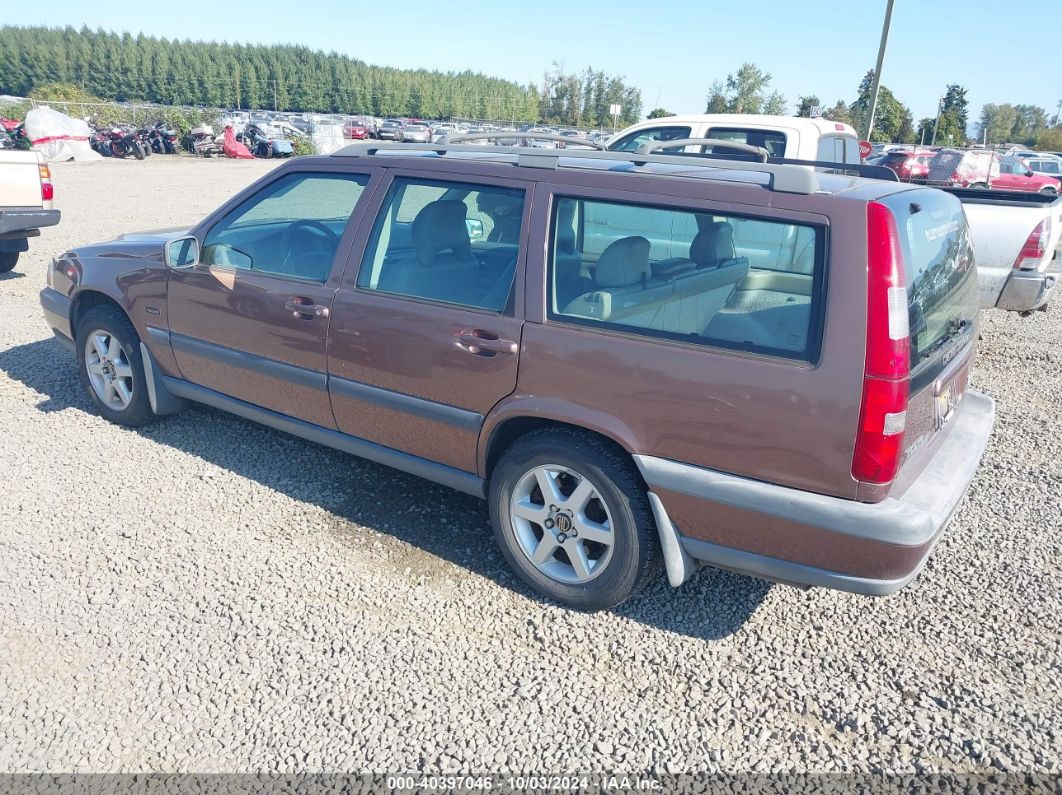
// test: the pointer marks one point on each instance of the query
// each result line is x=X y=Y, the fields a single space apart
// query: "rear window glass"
x=708 y=278
x=631 y=142
x=771 y=140
x=942 y=299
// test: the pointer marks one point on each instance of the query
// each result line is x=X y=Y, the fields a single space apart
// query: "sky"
x=999 y=52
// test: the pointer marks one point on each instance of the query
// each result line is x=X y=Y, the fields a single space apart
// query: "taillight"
x=47 y=189
x=883 y=414
x=1035 y=247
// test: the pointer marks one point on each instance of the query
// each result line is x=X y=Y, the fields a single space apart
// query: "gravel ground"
x=210 y=595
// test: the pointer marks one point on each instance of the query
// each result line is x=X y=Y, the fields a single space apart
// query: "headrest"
x=438 y=227
x=624 y=262
x=713 y=243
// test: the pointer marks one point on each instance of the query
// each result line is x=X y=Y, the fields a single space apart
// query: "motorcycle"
x=263 y=146
x=163 y=139
x=143 y=137
x=122 y=142
x=100 y=141
x=202 y=141
x=13 y=135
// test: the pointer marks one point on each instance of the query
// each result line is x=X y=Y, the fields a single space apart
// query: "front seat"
x=442 y=268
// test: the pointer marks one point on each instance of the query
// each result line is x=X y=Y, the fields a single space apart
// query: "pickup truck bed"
x=25 y=203
x=1002 y=223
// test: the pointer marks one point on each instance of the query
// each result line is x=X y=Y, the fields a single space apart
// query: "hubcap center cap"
x=564 y=523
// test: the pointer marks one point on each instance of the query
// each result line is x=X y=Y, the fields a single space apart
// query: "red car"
x=909 y=166
x=982 y=168
x=356 y=132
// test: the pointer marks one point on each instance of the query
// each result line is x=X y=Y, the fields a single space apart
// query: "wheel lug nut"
x=553 y=509
x=549 y=524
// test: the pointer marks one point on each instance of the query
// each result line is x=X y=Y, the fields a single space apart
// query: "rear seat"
x=628 y=292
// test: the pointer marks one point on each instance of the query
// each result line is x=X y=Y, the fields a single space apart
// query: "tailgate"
x=20 y=179
x=943 y=306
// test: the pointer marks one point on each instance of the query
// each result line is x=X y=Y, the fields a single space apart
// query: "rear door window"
x=743 y=283
x=772 y=140
x=631 y=142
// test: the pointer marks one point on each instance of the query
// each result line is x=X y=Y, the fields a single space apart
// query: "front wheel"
x=8 y=259
x=573 y=519
x=111 y=367
x=138 y=150
x=117 y=149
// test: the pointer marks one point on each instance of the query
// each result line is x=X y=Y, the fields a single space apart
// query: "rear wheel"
x=117 y=149
x=980 y=185
x=1049 y=191
x=573 y=520
x=111 y=368
x=8 y=259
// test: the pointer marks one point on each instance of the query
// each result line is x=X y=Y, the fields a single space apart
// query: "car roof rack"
x=783 y=178
x=527 y=136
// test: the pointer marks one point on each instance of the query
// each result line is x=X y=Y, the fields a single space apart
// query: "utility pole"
x=1058 y=110
x=936 y=124
x=877 y=69
x=274 y=94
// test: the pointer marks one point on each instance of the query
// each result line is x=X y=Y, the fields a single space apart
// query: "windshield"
x=942 y=299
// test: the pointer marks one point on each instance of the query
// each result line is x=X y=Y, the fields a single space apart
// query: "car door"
x=251 y=319
x=425 y=336
x=1011 y=175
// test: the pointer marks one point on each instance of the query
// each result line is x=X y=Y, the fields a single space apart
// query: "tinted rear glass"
x=942 y=297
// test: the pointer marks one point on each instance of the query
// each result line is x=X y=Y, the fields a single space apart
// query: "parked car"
x=355 y=132
x=26 y=194
x=782 y=136
x=390 y=130
x=983 y=168
x=1045 y=166
x=1017 y=240
x=1014 y=174
x=908 y=165
x=639 y=366
x=416 y=132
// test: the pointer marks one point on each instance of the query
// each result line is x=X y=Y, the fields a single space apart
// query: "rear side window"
x=447 y=242
x=771 y=140
x=715 y=279
x=942 y=299
x=631 y=142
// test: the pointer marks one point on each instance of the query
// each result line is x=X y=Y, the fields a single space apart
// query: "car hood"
x=135 y=245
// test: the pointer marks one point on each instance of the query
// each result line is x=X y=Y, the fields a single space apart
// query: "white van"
x=791 y=137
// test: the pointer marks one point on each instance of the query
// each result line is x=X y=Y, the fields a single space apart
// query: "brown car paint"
x=780 y=421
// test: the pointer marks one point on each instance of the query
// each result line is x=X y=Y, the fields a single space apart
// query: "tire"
x=979 y=186
x=117 y=149
x=138 y=151
x=618 y=510
x=98 y=327
x=8 y=260
x=1049 y=191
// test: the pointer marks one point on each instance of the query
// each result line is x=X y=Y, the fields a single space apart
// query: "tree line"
x=124 y=67
x=748 y=91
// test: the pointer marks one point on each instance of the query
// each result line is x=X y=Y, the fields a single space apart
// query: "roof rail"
x=655 y=146
x=512 y=135
x=784 y=178
x=859 y=169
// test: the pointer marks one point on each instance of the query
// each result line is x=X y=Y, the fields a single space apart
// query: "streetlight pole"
x=877 y=69
x=936 y=124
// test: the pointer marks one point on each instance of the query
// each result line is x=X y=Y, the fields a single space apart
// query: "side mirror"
x=182 y=253
x=475 y=228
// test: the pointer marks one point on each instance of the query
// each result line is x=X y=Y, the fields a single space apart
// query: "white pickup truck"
x=1017 y=242
x=26 y=193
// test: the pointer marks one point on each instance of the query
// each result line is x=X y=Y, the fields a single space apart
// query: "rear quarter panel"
x=787 y=422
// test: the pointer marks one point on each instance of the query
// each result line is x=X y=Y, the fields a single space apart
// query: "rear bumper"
x=56 y=308
x=24 y=219
x=808 y=539
x=1027 y=291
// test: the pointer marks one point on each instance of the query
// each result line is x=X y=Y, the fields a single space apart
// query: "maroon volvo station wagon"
x=635 y=359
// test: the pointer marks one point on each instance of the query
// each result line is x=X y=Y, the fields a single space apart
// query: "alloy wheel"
x=109 y=370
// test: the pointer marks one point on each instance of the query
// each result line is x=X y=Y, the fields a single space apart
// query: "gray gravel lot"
x=210 y=595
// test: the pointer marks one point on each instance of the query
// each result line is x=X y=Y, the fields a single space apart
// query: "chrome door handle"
x=485 y=343
x=305 y=308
